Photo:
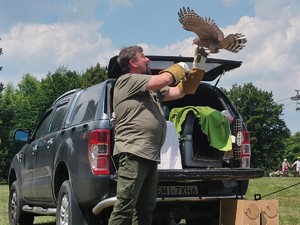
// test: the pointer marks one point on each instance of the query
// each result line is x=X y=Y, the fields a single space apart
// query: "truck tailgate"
x=193 y=174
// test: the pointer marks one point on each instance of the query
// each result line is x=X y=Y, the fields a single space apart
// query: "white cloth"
x=170 y=157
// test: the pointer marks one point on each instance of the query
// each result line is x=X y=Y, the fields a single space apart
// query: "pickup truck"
x=66 y=167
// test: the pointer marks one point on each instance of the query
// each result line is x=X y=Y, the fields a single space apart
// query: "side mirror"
x=21 y=135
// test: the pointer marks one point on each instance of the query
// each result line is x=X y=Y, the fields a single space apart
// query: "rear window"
x=86 y=106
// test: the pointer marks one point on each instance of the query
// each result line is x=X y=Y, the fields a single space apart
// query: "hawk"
x=209 y=34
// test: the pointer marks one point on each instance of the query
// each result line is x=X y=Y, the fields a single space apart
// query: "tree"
x=293 y=147
x=262 y=117
x=94 y=75
x=7 y=116
x=56 y=84
x=1 y=84
x=29 y=102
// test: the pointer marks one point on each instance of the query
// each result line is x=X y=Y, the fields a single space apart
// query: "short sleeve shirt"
x=140 y=123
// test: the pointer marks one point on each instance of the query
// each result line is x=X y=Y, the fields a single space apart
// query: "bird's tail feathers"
x=235 y=42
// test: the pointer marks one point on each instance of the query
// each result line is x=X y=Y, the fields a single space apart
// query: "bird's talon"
x=202 y=52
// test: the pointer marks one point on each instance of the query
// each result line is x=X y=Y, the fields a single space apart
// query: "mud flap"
x=75 y=214
x=78 y=217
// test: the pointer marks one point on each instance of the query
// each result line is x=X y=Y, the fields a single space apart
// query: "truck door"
x=30 y=158
x=45 y=156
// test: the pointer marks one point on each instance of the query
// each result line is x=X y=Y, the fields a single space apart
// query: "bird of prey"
x=209 y=34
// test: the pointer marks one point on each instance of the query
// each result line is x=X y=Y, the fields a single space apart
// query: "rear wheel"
x=15 y=213
x=64 y=212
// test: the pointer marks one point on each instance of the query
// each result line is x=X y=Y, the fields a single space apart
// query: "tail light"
x=99 y=152
x=245 y=150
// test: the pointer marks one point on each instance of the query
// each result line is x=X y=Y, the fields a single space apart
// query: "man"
x=285 y=168
x=297 y=164
x=140 y=128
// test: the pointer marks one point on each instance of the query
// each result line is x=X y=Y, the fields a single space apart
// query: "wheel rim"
x=64 y=210
x=13 y=206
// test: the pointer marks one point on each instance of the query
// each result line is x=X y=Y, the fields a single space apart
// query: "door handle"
x=49 y=143
x=34 y=150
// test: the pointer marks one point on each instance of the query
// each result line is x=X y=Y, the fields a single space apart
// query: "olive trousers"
x=136 y=191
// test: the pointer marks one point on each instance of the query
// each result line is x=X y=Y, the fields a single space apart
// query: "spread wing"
x=205 y=28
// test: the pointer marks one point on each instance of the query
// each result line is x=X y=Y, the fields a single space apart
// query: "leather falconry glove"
x=190 y=83
x=178 y=71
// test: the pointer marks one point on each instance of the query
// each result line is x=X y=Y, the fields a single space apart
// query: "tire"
x=64 y=213
x=15 y=203
x=69 y=213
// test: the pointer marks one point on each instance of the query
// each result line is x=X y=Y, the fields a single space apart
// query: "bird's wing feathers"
x=205 y=28
x=215 y=27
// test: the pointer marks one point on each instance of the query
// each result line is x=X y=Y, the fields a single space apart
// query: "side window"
x=57 y=118
x=43 y=126
x=51 y=122
x=86 y=106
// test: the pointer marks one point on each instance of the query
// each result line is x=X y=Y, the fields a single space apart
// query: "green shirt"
x=140 y=123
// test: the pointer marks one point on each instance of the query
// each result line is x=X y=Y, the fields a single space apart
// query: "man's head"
x=132 y=60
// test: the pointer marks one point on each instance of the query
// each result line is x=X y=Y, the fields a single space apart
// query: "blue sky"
x=38 y=36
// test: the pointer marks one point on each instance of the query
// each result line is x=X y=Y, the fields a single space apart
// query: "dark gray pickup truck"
x=66 y=168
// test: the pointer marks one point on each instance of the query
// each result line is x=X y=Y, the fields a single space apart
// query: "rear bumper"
x=216 y=174
x=210 y=174
x=109 y=202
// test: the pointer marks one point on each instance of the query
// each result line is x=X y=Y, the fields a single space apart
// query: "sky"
x=39 y=36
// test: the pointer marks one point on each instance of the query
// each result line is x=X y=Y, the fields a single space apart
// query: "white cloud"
x=39 y=47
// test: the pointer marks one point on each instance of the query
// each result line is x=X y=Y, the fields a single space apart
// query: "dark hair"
x=127 y=54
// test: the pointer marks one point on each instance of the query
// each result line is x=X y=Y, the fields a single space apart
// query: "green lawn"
x=288 y=198
x=267 y=187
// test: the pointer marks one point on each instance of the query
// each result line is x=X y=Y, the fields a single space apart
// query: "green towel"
x=212 y=123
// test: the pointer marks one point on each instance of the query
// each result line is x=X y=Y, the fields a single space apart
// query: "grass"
x=284 y=189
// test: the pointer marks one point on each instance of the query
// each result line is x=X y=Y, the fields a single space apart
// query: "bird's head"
x=197 y=41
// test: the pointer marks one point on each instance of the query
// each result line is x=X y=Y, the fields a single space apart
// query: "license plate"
x=177 y=191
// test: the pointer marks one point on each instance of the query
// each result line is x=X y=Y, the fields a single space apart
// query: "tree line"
x=24 y=105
